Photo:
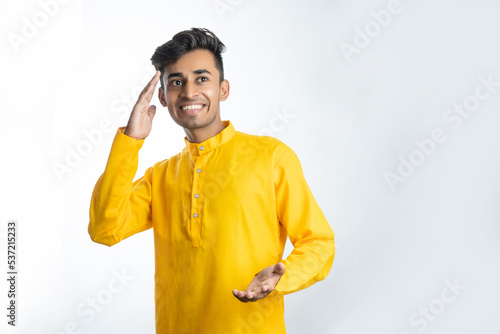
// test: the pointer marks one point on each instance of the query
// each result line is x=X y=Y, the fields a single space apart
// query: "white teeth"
x=192 y=107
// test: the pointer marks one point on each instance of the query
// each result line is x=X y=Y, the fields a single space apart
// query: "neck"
x=201 y=134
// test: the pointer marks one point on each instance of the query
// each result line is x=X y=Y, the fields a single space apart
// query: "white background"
x=355 y=118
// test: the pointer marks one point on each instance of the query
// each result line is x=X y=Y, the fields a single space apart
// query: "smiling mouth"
x=193 y=107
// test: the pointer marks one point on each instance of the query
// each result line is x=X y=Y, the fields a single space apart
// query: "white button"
x=201 y=148
x=195 y=215
x=198 y=170
x=196 y=195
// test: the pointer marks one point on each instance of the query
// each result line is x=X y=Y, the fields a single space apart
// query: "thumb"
x=279 y=268
x=152 y=111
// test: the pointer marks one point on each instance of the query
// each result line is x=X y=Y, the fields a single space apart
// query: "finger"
x=246 y=300
x=152 y=85
x=254 y=295
x=246 y=296
x=147 y=92
x=151 y=82
x=239 y=296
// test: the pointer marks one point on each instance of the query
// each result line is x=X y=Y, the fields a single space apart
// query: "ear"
x=161 y=97
x=224 y=90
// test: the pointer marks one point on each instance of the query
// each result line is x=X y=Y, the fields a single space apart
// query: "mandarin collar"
x=211 y=143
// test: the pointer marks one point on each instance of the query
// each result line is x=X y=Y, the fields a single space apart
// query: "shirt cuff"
x=121 y=139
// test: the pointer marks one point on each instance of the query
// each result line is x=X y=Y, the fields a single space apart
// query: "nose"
x=190 y=90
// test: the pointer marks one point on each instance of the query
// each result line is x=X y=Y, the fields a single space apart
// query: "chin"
x=193 y=123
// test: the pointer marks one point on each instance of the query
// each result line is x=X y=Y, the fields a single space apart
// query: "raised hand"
x=262 y=284
x=141 y=118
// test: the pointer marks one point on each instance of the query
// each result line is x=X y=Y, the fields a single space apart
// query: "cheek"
x=170 y=99
x=213 y=95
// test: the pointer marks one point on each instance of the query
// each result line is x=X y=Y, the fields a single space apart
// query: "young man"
x=220 y=210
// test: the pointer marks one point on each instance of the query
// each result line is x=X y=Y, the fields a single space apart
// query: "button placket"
x=197 y=201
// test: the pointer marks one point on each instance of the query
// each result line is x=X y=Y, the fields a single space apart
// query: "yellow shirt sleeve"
x=120 y=207
x=306 y=226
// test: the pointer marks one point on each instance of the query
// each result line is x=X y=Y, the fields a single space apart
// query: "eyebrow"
x=180 y=75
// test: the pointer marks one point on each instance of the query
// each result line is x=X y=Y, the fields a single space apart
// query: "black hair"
x=185 y=41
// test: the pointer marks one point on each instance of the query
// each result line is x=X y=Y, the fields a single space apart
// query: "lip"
x=192 y=111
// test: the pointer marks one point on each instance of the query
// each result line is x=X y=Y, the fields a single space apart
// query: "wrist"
x=129 y=135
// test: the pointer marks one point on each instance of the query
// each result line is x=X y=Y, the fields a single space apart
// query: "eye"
x=203 y=79
x=176 y=82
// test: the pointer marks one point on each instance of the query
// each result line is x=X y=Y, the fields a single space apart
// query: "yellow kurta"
x=220 y=211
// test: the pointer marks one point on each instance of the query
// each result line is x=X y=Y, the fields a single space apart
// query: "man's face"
x=193 y=91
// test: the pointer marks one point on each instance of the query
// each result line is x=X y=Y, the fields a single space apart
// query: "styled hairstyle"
x=182 y=43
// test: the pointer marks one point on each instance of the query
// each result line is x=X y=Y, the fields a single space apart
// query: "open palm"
x=262 y=284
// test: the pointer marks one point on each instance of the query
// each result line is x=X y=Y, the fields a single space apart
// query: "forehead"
x=192 y=61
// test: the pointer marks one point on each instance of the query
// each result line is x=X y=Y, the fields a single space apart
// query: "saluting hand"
x=262 y=284
x=141 y=118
